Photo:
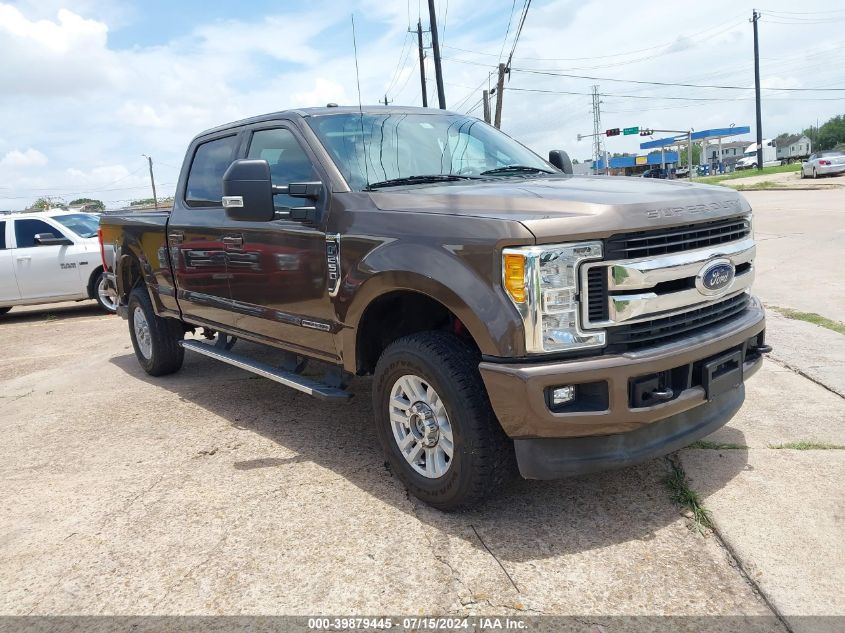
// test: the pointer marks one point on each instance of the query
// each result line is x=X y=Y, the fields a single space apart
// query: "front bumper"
x=550 y=458
x=518 y=391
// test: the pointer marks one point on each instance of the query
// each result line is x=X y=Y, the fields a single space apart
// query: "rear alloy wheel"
x=105 y=294
x=155 y=339
x=435 y=422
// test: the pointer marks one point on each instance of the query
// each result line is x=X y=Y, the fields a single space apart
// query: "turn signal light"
x=515 y=277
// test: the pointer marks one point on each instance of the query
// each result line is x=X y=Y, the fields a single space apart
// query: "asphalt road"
x=216 y=492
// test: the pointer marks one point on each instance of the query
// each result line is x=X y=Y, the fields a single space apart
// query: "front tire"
x=155 y=339
x=4 y=310
x=435 y=422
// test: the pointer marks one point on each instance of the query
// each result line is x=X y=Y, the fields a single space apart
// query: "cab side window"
x=205 y=181
x=288 y=162
x=26 y=230
x=2 y=235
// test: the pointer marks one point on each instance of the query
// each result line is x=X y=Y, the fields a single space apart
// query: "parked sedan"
x=655 y=172
x=824 y=164
x=52 y=256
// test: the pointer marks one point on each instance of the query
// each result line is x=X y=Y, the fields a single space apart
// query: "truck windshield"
x=83 y=224
x=406 y=148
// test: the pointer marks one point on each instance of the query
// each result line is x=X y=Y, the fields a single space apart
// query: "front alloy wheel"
x=435 y=423
x=421 y=426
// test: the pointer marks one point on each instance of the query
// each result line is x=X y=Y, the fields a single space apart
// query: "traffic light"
x=646 y=132
x=612 y=132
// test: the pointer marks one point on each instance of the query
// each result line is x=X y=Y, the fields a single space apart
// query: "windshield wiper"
x=415 y=180
x=516 y=169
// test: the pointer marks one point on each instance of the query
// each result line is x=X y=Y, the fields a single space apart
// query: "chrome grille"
x=648 y=299
x=597 y=294
x=676 y=239
x=666 y=329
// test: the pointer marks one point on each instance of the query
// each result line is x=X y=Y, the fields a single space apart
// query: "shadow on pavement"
x=529 y=520
x=63 y=311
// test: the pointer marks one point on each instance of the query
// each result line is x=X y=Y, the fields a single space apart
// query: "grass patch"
x=759 y=186
x=806 y=445
x=718 y=446
x=812 y=317
x=678 y=484
x=748 y=173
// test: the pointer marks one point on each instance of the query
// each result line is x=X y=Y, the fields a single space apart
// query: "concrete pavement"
x=215 y=492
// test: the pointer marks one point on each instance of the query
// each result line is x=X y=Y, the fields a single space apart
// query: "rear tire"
x=467 y=457
x=155 y=339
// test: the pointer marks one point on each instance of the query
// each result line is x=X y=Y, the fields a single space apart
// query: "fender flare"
x=485 y=310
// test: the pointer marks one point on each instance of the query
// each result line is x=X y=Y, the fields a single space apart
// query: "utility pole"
x=597 y=131
x=755 y=17
x=386 y=102
x=485 y=99
x=435 y=46
x=152 y=179
x=500 y=88
x=689 y=153
x=422 y=63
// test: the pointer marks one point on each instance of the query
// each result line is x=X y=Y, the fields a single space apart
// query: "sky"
x=89 y=86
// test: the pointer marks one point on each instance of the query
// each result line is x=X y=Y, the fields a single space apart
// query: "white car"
x=52 y=256
x=824 y=164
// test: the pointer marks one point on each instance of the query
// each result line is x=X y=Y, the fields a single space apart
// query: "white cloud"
x=95 y=108
x=17 y=159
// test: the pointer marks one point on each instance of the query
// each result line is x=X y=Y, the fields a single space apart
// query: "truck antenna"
x=360 y=107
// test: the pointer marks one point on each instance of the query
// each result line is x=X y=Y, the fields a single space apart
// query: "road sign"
x=630 y=130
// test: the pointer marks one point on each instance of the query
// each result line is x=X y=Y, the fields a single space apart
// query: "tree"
x=828 y=135
x=89 y=204
x=45 y=202
x=696 y=155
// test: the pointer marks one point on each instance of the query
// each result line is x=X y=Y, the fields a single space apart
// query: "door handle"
x=24 y=258
x=176 y=237
x=232 y=241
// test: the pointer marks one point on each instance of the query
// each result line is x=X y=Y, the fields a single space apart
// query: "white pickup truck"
x=51 y=256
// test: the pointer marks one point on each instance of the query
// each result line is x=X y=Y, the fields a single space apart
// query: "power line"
x=525 y=8
x=734 y=21
x=507 y=31
x=671 y=98
x=662 y=83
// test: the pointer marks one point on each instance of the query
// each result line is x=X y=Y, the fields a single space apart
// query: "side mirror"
x=248 y=191
x=48 y=239
x=560 y=159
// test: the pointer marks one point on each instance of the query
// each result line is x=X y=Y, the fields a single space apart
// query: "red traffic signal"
x=612 y=132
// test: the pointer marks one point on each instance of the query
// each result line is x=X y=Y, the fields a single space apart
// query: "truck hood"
x=559 y=207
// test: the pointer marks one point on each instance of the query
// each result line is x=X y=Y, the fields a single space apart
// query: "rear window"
x=829 y=154
x=205 y=181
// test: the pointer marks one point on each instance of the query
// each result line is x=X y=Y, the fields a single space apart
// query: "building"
x=731 y=152
x=793 y=147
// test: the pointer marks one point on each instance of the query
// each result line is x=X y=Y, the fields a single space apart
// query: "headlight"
x=542 y=281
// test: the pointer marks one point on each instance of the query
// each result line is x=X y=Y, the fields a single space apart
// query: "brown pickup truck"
x=511 y=314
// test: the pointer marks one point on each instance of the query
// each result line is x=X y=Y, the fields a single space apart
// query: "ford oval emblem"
x=715 y=277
